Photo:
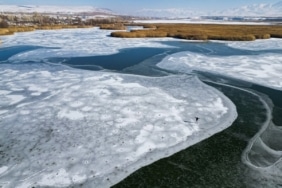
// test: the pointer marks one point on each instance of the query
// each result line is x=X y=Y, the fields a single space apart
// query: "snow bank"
x=262 y=69
x=69 y=127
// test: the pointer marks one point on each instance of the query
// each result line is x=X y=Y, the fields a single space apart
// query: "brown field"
x=12 y=30
x=205 y=32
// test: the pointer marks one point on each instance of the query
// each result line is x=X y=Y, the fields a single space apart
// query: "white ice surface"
x=265 y=69
x=74 y=43
x=261 y=44
x=95 y=128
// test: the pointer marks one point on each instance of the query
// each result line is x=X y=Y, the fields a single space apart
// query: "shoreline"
x=193 y=31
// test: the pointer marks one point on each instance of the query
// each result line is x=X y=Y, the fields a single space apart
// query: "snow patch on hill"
x=53 y=9
x=260 y=10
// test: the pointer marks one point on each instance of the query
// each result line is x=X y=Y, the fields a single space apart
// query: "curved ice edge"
x=267 y=124
x=190 y=141
x=262 y=176
x=117 y=175
x=268 y=106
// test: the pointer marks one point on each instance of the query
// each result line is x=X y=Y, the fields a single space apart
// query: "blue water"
x=129 y=57
x=117 y=62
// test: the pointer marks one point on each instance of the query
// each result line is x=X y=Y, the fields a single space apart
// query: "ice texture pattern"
x=264 y=69
x=63 y=127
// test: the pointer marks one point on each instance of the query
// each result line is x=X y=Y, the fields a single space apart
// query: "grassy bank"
x=12 y=30
x=205 y=32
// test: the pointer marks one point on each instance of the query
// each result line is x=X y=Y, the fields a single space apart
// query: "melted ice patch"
x=95 y=128
x=74 y=43
x=263 y=69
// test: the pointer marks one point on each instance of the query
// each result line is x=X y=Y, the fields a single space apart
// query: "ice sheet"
x=262 y=69
x=94 y=129
x=74 y=43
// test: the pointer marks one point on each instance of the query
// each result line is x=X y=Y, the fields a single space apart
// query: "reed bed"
x=205 y=32
x=117 y=26
x=12 y=30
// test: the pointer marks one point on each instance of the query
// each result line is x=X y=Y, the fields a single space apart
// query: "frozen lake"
x=79 y=108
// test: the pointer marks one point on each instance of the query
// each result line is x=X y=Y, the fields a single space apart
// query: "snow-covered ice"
x=95 y=128
x=261 y=44
x=264 y=69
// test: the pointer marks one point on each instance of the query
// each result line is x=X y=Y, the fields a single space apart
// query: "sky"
x=131 y=5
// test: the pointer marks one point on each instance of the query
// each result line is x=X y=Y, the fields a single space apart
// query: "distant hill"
x=254 y=10
x=169 y=13
x=257 y=10
x=54 y=9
